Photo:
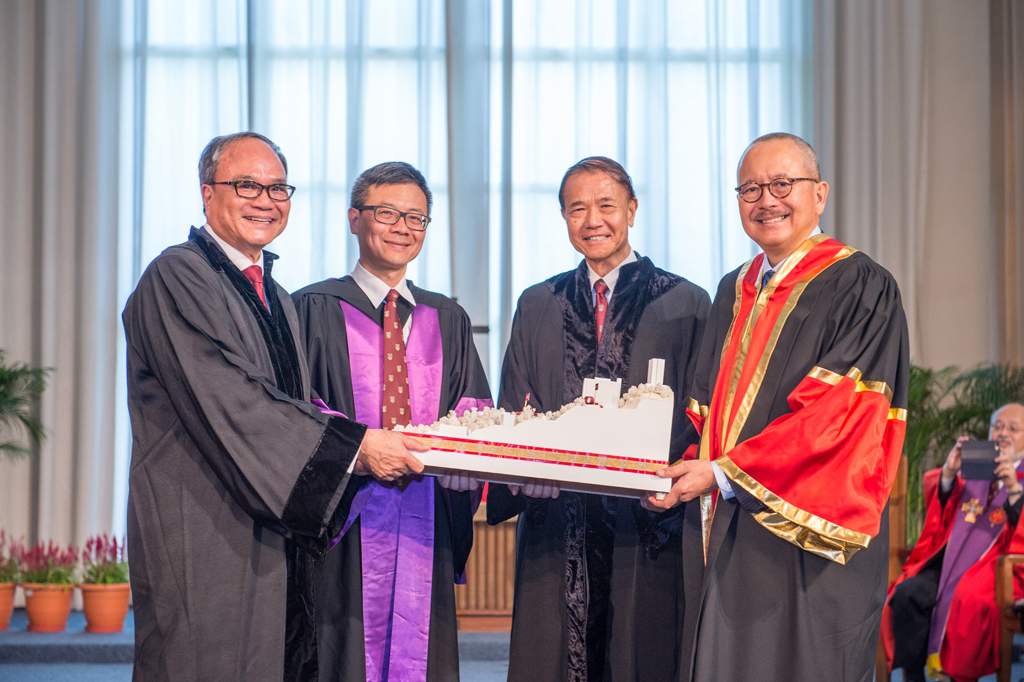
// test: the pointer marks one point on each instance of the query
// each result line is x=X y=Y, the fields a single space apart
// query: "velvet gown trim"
x=590 y=519
x=300 y=654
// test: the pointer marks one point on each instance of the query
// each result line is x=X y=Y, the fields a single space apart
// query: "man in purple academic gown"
x=386 y=600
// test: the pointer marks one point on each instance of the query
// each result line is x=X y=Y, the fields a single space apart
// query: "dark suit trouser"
x=912 y=604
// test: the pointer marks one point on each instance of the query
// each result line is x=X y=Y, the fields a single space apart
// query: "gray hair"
x=210 y=157
x=810 y=157
x=992 y=419
x=389 y=173
x=597 y=164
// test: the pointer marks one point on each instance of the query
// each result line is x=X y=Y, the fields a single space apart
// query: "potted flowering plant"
x=48 y=575
x=10 y=552
x=104 y=586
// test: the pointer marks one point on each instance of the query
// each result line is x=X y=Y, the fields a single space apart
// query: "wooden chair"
x=1009 y=614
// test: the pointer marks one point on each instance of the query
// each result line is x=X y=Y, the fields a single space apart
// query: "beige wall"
x=955 y=293
x=902 y=124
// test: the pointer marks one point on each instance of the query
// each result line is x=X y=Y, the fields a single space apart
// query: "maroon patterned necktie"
x=395 y=408
x=254 y=274
x=601 y=309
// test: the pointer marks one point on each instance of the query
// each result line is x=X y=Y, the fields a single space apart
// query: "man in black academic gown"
x=237 y=482
x=386 y=601
x=800 y=395
x=597 y=593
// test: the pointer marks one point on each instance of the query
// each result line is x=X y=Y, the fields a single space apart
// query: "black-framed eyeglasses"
x=779 y=187
x=247 y=189
x=390 y=216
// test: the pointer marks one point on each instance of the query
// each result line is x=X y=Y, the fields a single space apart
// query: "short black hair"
x=810 y=157
x=389 y=173
x=210 y=157
x=597 y=164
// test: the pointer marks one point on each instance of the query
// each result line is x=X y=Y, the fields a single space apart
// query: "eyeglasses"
x=390 y=216
x=1012 y=428
x=247 y=189
x=779 y=187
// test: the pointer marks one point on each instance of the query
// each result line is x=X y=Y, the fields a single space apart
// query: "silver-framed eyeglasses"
x=779 y=187
x=389 y=216
x=247 y=189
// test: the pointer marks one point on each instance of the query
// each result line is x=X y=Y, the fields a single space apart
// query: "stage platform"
x=79 y=656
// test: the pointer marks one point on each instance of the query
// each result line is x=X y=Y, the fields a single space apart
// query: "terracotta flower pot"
x=47 y=606
x=105 y=606
x=6 y=604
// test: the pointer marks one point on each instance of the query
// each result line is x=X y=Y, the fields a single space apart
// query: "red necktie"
x=254 y=274
x=600 y=288
x=395 y=408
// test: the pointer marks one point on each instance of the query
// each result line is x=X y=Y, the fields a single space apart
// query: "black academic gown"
x=232 y=471
x=597 y=593
x=339 y=579
x=764 y=609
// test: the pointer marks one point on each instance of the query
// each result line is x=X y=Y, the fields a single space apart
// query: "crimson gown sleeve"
x=824 y=470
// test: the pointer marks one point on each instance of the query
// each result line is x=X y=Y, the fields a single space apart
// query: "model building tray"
x=600 y=443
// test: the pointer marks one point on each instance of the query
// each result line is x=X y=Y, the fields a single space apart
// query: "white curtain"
x=672 y=89
x=491 y=100
x=917 y=107
x=872 y=107
x=58 y=240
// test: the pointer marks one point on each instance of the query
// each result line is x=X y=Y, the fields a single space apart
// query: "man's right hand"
x=387 y=456
x=952 y=466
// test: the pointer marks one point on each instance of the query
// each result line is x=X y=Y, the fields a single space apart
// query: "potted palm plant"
x=9 y=574
x=48 y=575
x=104 y=585
x=20 y=388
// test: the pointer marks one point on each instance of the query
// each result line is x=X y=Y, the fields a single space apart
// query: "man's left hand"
x=690 y=479
x=459 y=481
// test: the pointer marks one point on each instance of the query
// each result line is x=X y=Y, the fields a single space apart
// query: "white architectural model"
x=598 y=443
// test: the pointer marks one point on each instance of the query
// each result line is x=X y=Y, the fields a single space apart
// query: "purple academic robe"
x=386 y=593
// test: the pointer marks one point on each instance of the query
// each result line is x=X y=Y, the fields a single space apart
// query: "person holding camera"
x=941 y=610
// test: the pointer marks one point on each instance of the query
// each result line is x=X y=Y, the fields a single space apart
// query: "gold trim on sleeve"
x=898 y=413
x=876 y=387
x=795 y=525
x=822 y=374
x=807 y=540
x=697 y=408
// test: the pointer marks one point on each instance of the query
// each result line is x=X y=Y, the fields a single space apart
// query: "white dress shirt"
x=610 y=279
x=237 y=258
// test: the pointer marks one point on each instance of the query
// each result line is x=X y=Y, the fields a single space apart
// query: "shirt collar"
x=377 y=289
x=764 y=261
x=237 y=258
x=612 y=277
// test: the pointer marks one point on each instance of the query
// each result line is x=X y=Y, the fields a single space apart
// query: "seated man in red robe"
x=941 y=610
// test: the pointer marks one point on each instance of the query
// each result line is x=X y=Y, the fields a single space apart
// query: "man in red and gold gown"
x=941 y=609
x=800 y=397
